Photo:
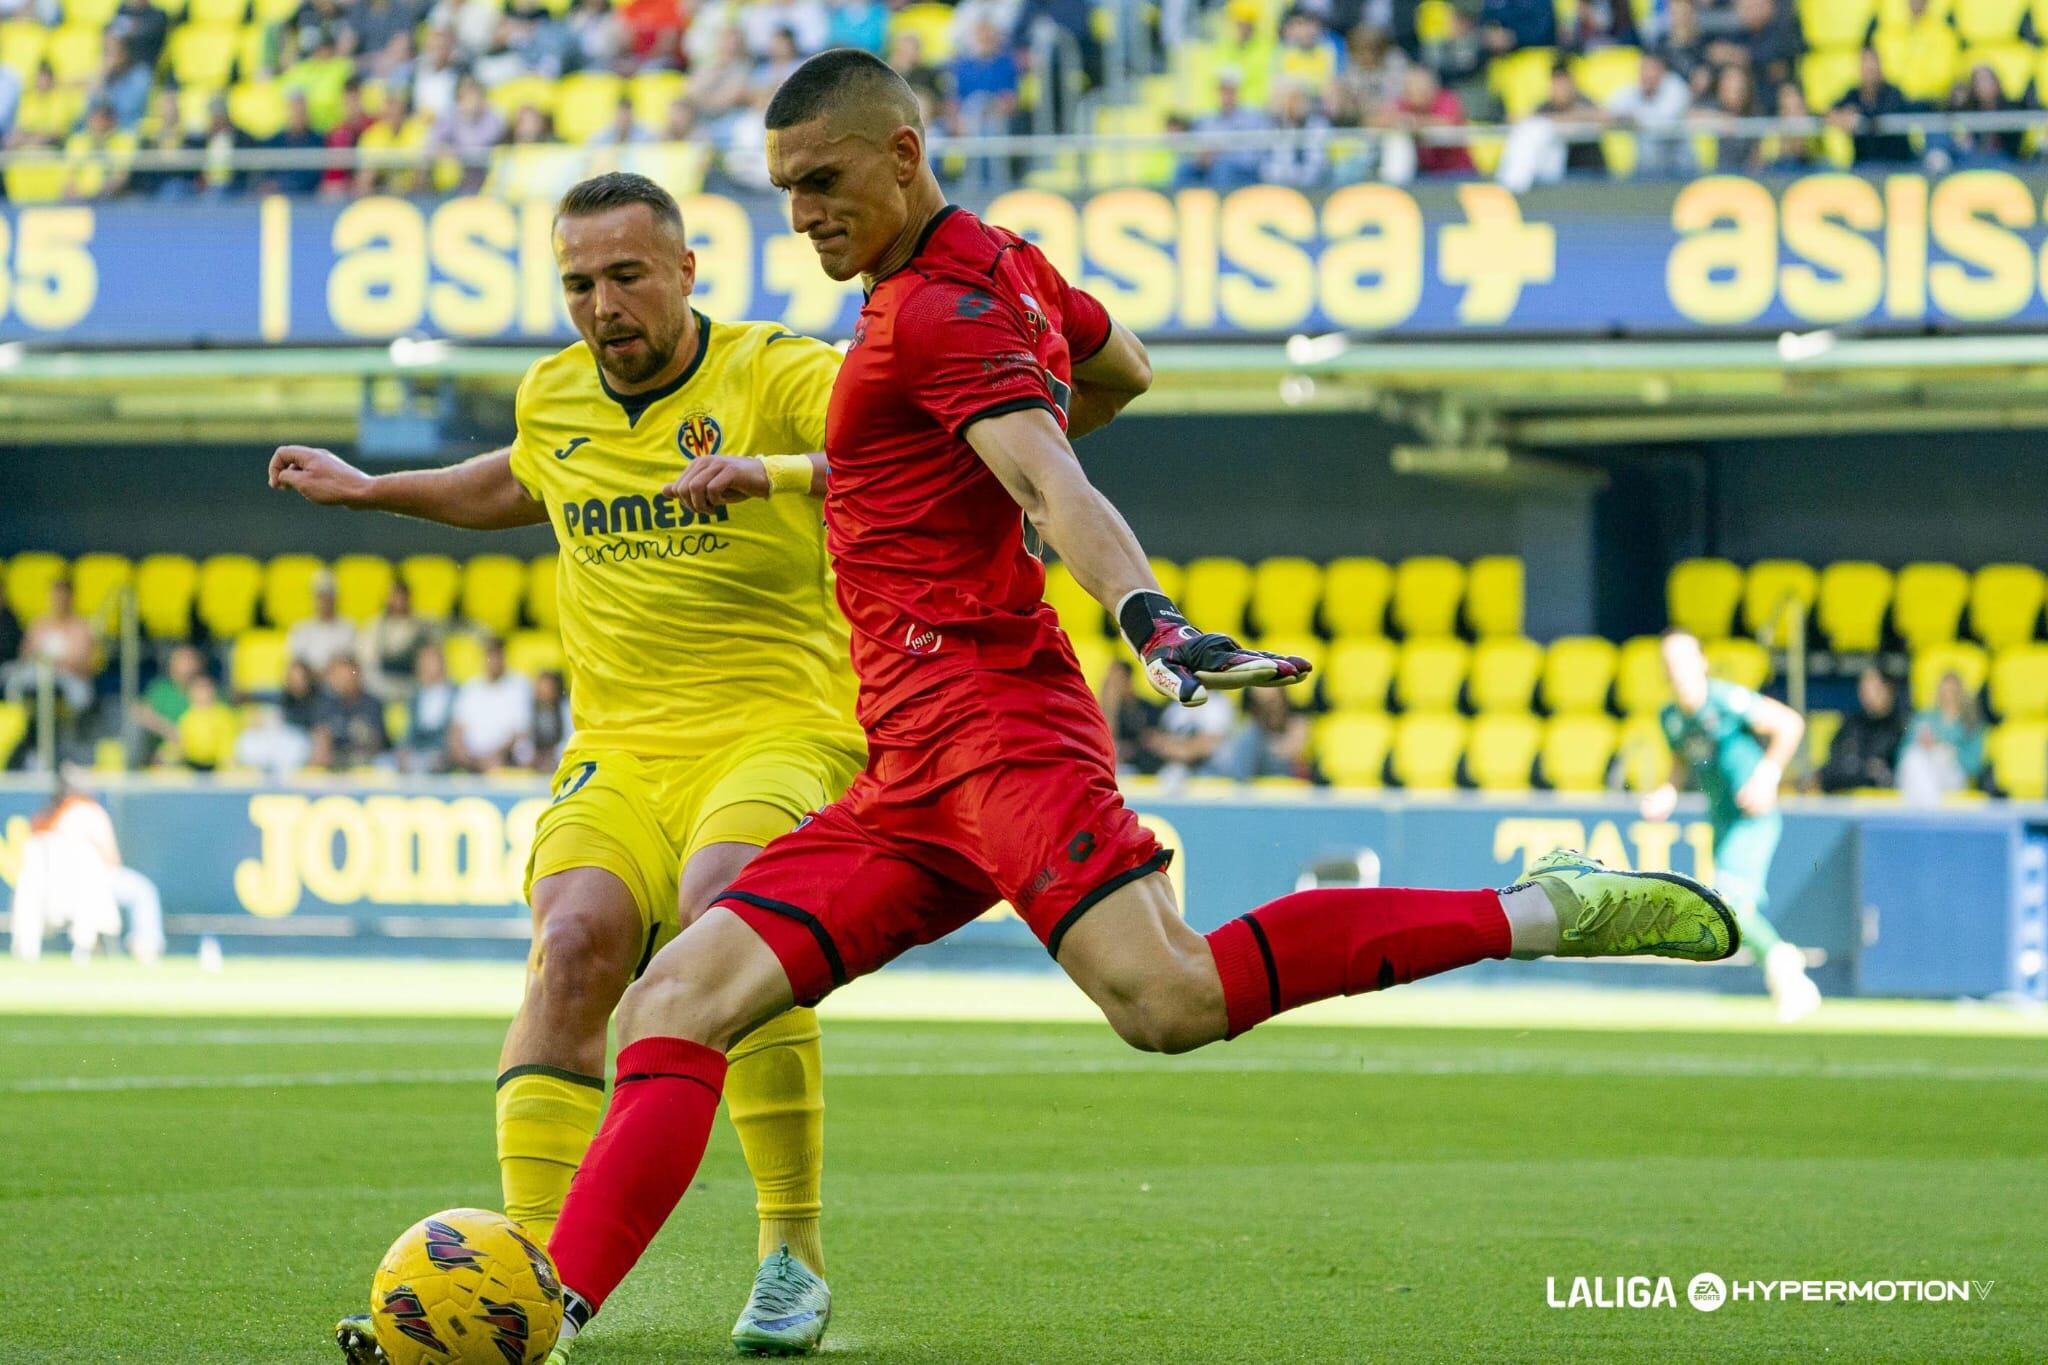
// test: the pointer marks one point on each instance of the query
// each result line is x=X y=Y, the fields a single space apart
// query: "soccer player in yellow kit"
x=711 y=692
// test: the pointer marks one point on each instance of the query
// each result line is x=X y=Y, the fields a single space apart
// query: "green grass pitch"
x=183 y=1188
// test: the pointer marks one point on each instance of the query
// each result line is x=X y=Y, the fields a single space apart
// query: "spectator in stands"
x=270 y=746
x=347 y=133
x=1767 y=42
x=1188 y=739
x=469 y=131
x=682 y=122
x=387 y=132
x=142 y=29
x=124 y=81
x=1539 y=150
x=906 y=58
x=1373 y=71
x=858 y=23
x=10 y=101
x=1790 y=153
x=543 y=42
x=804 y=20
x=1508 y=25
x=94 y=156
x=623 y=131
x=377 y=22
x=1236 y=166
x=300 y=696
x=206 y=732
x=10 y=634
x=428 y=715
x=1304 y=157
x=1271 y=740
x=598 y=35
x=161 y=705
x=1956 y=148
x=532 y=126
x=296 y=135
x=983 y=79
x=492 y=714
x=435 y=76
x=656 y=31
x=745 y=162
x=1865 y=750
x=220 y=140
x=1605 y=23
x=314 y=25
x=721 y=93
x=1685 y=51
x=1655 y=106
x=1873 y=98
x=1245 y=45
x=549 y=728
x=1306 y=56
x=782 y=59
x=1068 y=26
x=1734 y=98
x=1424 y=104
x=61 y=639
x=45 y=113
x=1943 y=751
x=324 y=636
x=1129 y=717
x=473 y=23
x=391 y=646
x=162 y=131
x=500 y=60
x=348 y=729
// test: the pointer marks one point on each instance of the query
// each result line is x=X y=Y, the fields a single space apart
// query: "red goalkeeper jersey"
x=929 y=547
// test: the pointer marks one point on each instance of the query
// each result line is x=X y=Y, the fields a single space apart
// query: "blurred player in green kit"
x=1737 y=744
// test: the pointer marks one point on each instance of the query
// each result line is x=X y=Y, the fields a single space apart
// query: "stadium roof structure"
x=1461 y=395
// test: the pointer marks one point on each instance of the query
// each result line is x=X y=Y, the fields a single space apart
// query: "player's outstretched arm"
x=479 y=494
x=1029 y=453
x=1780 y=728
x=1107 y=381
x=711 y=481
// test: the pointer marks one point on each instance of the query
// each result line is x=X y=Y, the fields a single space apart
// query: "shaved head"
x=854 y=92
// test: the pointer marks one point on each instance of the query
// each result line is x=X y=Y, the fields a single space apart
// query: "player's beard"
x=640 y=364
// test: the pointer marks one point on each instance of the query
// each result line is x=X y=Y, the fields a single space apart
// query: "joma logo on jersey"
x=596 y=517
x=699 y=434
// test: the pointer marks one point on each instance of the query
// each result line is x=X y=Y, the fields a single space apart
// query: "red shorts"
x=992 y=786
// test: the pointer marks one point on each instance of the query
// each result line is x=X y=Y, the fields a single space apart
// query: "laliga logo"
x=921 y=640
x=699 y=434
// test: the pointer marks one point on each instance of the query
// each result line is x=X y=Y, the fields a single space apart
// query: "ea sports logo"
x=699 y=434
x=1707 y=1291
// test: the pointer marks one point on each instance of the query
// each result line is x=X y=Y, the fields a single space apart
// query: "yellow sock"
x=546 y=1118
x=775 y=1094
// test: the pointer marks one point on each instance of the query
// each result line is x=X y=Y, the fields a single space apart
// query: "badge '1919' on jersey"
x=466 y=1287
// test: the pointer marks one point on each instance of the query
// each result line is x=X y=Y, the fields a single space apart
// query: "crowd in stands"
x=472 y=81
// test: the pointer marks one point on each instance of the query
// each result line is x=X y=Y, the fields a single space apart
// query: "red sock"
x=1316 y=944
x=641 y=1161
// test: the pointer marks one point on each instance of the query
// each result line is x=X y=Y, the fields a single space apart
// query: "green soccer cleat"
x=1603 y=913
x=560 y=1355
x=357 y=1338
x=787 y=1312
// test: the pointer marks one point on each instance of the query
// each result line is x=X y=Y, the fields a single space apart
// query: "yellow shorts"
x=641 y=818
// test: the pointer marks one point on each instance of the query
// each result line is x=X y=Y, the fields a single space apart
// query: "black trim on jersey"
x=536 y=1069
x=1096 y=349
x=1155 y=863
x=636 y=404
x=1009 y=405
x=1272 y=968
x=924 y=239
x=801 y=916
x=653 y=932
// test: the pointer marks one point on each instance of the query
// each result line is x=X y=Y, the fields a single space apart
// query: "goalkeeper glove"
x=1182 y=662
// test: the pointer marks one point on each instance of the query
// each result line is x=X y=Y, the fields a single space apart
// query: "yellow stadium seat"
x=1435 y=21
x=491 y=588
x=1836 y=23
x=1641 y=687
x=1095 y=657
x=1501 y=755
x=2018 y=754
x=1521 y=79
x=2005 y=604
x=1431 y=674
x=1427 y=747
x=434 y=581
x=29 y=576
x=1702 y=595
x=202 y=55
x=1922 y=60
x=362 y=583
x=1967 y=661
x=2010 y=60
x=1216 y=591
x=1577 y=752
x=288 y=589
x=1493 y=590
x=229 y=588
x=21 y=46
x=1742 y=662
x=1285 y=591
x=1827 y=74
x=1578 y=670
x=90 y=13
x=2019 y=682
x=164 y=588
x=257 y=107
x=541 y=589
x=533 y=651
x=1171 y=581
x=257 y=663
x=1358 y=672
x=256 y=62
x=1894 y=15
x=586 y=102
x=655 y=93
x=1927 y=603
x=1351 y=747
x=1821 y=729
x=95 y=579
x=222 y=13
x=13 y=729
x=464 y=655
x=520 y=92
x=1605 y=70
x=933 y=25
x=1504 y=673
x=1427 y=592
x=1355 y=593
x=1774 y=592
x=1645 y=753
x=1081 y=616
x=1849 y=610
x=73 y=53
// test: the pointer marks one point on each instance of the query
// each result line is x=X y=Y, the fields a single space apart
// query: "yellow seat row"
x=259 y=658
x=1428 y=751
x=1851 y=600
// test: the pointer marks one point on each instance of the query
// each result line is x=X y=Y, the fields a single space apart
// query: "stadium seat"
x=434 y=581
x=1702 y=595
x=1578 y=670
x=1577 y=752
x=1216 y=591
x=21 y=46
x=90 y=13
x=2005 y=604
x=1836 y=23
x=1095 y=657
x=524 y=92
x=1644 y=752
x=1355 y=593
x=933 y=26
x=1827 y=74
x=533 y=651
x=2019 y=682
x=1742 y=662
x=585 y=103
x=288 y=589
x=1081 y=616
x=1922 y=60
x=1851 y=602
x=1427 y=747
x=229 y=588
x=95 y=579
x=1967 y=661
x=2010 y=60
x=73 y=54
x=1351 y=747
x=491 y=591
x=164 y=588
x=1773 y=591
x=653 y=93
x=257 y=663
x=1927 y=604
x=1641 y=687
x=202 y=56
x=29 y=576
x=1821 y=729
x=1435 y=21
x=13 y=729
x=1431 y=674
x=1427 y=592
x=362 y=584
x=1605 y=70
x=1359 y=671
x=465 y=656
x=1493 y=595
x=2018 y=754
x=1501 y=754
x=1285 y=591
x=1520 y=80
x=542 y=587
x=1896 y=15
x=258 y=108
x=1504 y=673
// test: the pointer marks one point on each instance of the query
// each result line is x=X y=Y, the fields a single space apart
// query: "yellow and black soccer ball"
x=466 y=1287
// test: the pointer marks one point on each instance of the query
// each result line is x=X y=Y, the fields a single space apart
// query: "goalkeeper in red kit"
x=990 y=773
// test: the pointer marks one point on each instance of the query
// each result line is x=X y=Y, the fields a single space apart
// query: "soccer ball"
x=466 y=1287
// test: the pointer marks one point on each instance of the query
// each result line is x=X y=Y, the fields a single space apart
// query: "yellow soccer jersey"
x=686 y=633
